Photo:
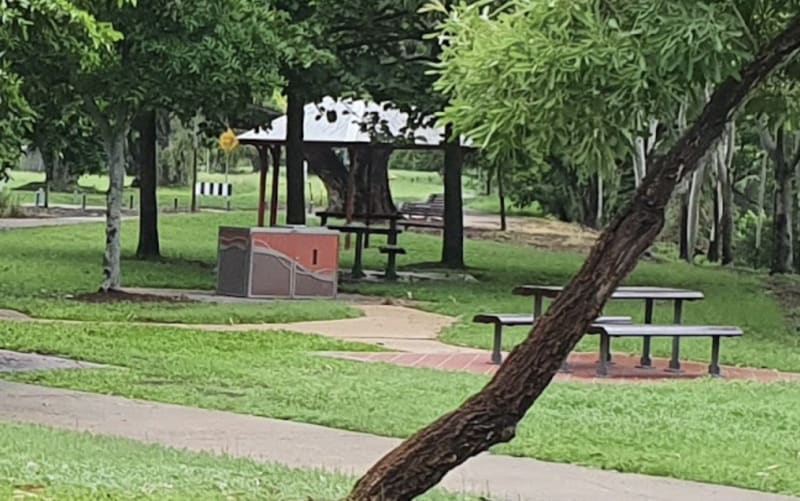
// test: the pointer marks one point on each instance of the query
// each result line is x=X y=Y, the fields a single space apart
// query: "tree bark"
x=693 y=210
x=716 y=233
x=329 y=168
x=148 y=246
x=725 y=163
x=762 y=191
x=453 y=238
x=491 y=416
x=684 y=251
x=372 y=190
x=114 y=144
x=57 y=174
x=783 y=253
x=501 y=193
x=295 y=186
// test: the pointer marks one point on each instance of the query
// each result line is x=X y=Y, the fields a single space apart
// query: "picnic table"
x=360 y=230
x=647 y=294
x=367 y=219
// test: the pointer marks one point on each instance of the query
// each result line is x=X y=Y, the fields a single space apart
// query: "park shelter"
x=338 y=123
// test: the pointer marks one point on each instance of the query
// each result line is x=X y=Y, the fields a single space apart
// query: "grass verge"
x=735 y=433
x=44 y=463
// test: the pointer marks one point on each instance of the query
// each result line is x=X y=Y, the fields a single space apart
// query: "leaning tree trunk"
x=491 y=416
x=148 y=246
x=453 y=242
x=114 y=145
x=295 y=185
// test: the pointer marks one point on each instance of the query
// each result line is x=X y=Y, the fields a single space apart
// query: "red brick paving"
x=583 y=367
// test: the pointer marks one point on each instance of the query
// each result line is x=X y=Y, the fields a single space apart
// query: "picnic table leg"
x=602 y=366
x=358 y=271
x=675 y=362
x=391 y=266
x=646 y=362
x=713 y=369
x=497 y=348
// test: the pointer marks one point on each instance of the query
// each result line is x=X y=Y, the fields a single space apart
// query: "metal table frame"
x=648 y=294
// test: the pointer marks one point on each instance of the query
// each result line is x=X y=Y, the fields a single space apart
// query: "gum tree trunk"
x=725 y=163
x=114 y=144
x=782 y=250
x=491 y=416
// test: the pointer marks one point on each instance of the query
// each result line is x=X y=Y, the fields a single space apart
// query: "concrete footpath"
x=303 y=445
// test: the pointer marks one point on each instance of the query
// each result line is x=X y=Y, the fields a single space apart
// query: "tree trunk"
x=684 y=251
x=372 y=191
x=501 y=192
x=716 y=234
x=58 y=177
x=148 y=247
x=491 y=416
x=324 y=163
x=725 y=164
x=693 y=210
x=453 y=241
x=783 y=254
x=114 y=144
x=295 y=187
x=762 y=191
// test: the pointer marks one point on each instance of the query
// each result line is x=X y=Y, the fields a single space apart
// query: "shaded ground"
x=118 y=296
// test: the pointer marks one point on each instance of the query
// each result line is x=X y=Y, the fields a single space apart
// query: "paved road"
x=303 y=445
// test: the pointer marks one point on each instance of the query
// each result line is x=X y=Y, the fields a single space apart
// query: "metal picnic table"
x=360 y=231
x=647 y=294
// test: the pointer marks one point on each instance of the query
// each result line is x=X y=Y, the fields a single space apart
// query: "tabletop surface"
x=362 y=228
x=551 y=291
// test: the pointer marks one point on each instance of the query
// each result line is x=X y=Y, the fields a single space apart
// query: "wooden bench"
x=432 y=208
x=392 y=252
x=501 y=320
x=676 y=332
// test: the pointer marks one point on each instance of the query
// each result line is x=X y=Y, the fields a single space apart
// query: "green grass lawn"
x=41 y=266
x=44 y=463
x=405 y=185
x=734 y=433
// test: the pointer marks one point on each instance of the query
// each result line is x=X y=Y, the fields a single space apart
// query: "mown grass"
x=736 y=433
x=41 y=266
x=44 y=463
x=405 y=185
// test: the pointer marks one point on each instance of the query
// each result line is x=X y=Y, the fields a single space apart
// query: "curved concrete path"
x=303 y=445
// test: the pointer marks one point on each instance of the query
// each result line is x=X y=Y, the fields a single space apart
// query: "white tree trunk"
x=114 y=144
x=695 y=196
x=762 y=190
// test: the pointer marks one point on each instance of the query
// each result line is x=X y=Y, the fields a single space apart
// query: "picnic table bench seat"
x=501 y=320
x=676 y=332
x=433 y=207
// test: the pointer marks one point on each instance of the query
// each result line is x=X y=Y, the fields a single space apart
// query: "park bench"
x=501 y=320
x=368 y=220
x=676 y=332
x=432 y=208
